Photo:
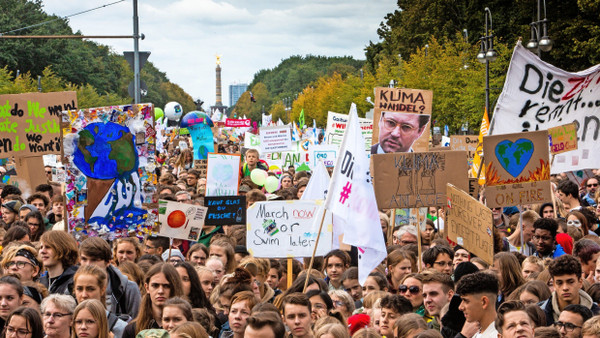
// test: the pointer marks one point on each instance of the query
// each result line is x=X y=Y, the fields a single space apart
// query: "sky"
x=184 y=36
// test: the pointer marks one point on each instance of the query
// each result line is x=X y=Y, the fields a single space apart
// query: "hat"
x=464 y=269
x=357 y=322
x=174 y=252
x=31 y=207
x=13 y=206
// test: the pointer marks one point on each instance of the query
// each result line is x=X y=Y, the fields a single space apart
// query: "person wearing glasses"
x=398 y=132
x=57 y=314
x=566 y=273
x=24 y=323
x=544 y=238
x=411 y=287
x=35 y=223
x=440 y=258
x=571 y=319
x=89 y=320
x=591 y=186
x=20 y=260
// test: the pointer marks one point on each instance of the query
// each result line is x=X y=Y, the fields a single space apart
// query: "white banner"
x=273 y=139
x=538 y=96
x=336 y=125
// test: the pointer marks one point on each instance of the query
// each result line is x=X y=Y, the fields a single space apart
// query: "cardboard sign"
x=110 y=167
x=180 y=220
x=237 y=123
x=30 y=172
x=469 y=224
x=517 y=169
x=467 y=143
x=222 y=174
x=225 y=210
x=410 y=110
x=274 y=139
x=474 y=188
x=281 y=229
x=30 y=123
x=201 y=166
x=415 y=180
x=336 y=126
x=563 y=138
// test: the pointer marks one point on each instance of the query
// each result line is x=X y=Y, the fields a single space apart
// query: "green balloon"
x=158 y=113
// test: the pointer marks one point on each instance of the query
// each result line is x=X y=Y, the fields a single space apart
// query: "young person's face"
x=8 y=216
x=9 y=300
x=529 y=268
x=443 y=263
x=185 y=280
x=85 y=324
x=17 y=326
x=527 y=298
x=57 y=208
x=412 y=289
x=40 y=205
x=517 y=324
x=401 y=269
x=370 y=285
x=286 y=182
x=159 y=289
x=150 y=248
x=86 y=287
x=572 y=319
x=207 y=280
x=472 y=306
x=219 y=252
x=251 y=158
x=335 y=267
x=22 y=267
x=273 y=278
x=34 y=225
x=353 y=288
x=264 y=332
x=386 y=321
x=567 y=287
x=298 y=320
x=543 y=241
x=172 y=316
x=48 y=256
x=548 y=212
x=238 y=314
x=198 y=257
x=434 y=297
x=89 y=260
x=23 y=213
x=126 y=252
x=460 y=255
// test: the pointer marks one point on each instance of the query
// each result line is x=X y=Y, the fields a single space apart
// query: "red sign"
x=237 y=123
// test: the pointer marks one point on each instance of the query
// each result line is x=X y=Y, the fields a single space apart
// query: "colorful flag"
x=477 y=159
x=296 y=133
x=351 y=197
x=301 y=119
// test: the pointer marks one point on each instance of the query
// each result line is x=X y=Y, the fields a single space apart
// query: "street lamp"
x=487 y=54
x=539 y=27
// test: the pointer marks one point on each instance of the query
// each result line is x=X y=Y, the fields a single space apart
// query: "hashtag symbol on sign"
x=345 y=192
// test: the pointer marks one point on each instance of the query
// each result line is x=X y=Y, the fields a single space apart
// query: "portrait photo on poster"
x=399 y=131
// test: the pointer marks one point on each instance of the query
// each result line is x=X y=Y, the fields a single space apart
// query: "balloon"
x=258 y=176
x=271 y=184
x=158 y=113
x=194 y=118
x=173 y=111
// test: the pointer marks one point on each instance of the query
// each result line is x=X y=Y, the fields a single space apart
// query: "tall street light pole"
x=487 y=54
x=539 y=44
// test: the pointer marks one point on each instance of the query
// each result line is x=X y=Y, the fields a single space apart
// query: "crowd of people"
x=543 y=282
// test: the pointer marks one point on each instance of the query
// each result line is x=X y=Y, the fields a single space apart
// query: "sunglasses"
x=412 y=289
x=592 y=185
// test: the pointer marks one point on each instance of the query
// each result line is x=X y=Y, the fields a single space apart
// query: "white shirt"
x=490 y=332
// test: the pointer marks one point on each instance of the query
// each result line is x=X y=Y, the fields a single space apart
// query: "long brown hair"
x=144 y=319
x=511 y=276
x=96 y=308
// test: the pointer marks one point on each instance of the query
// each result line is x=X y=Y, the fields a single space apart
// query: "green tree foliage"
x=99 y=73
x=253 y=110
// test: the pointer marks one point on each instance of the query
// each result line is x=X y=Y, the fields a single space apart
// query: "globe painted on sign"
x=106 y=151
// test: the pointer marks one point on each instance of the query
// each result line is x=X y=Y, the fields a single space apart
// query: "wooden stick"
x=391 y=226
x=521 y=229
x=312 y=258
x=289 y=272
x=170 y=246
x=419 y=249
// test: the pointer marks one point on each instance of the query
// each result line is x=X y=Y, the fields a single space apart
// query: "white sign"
x=222 y=174
x=273 y=139
x=322 y=152
x=180 y=220
x=251 y=141
x=281 y=229
x=336 y=125
x=538 y=96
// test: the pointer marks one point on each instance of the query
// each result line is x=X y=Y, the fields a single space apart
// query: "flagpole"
x=312 y=258
x=419 y=248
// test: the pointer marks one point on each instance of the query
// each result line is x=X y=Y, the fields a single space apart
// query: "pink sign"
x=237 y=123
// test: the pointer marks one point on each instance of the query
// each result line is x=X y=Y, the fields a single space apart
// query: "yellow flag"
x=483 y=131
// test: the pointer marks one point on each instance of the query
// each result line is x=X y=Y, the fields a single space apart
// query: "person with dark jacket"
x=58 y=254
x=566 y=276
x=122 y=295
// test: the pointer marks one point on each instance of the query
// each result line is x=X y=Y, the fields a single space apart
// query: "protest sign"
x=225 y=210
x=275 y=139
x=336 y=125
x=110 y=170
x=200 y=165
x=409 y=109
x=222 y=174
x=517 y=169
x=251 y=141
x=415 y=180
x=469 y=224
x=467 y=143
x=281 y=229
x=202 y=140
x=30 y=123
x=237 y=123
x=30 y=172
x=181 y=220
x=563 y=138
x=579 y=176
x=474 y=187
x=538 y=96
x=322 y=152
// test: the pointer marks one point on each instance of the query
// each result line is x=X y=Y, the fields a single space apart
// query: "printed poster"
x=273 y=139
x=222 y=174
x=181 y=220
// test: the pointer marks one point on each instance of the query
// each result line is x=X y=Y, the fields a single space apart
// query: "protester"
x=58 y=253
x=57 y=314
x=89 y=320
x=24 y=322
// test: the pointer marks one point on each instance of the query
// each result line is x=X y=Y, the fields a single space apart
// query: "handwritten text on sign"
x=225 y=210
x=563 y=138
x=280 y=229
x=30 y=123
x=469 y=223
x=275 y=139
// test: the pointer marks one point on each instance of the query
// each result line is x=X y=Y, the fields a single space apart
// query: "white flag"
x=351 y=197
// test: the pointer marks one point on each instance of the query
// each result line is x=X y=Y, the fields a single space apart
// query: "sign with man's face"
x=401 y=120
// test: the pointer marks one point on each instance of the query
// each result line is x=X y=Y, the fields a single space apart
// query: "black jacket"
x=63 y=284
